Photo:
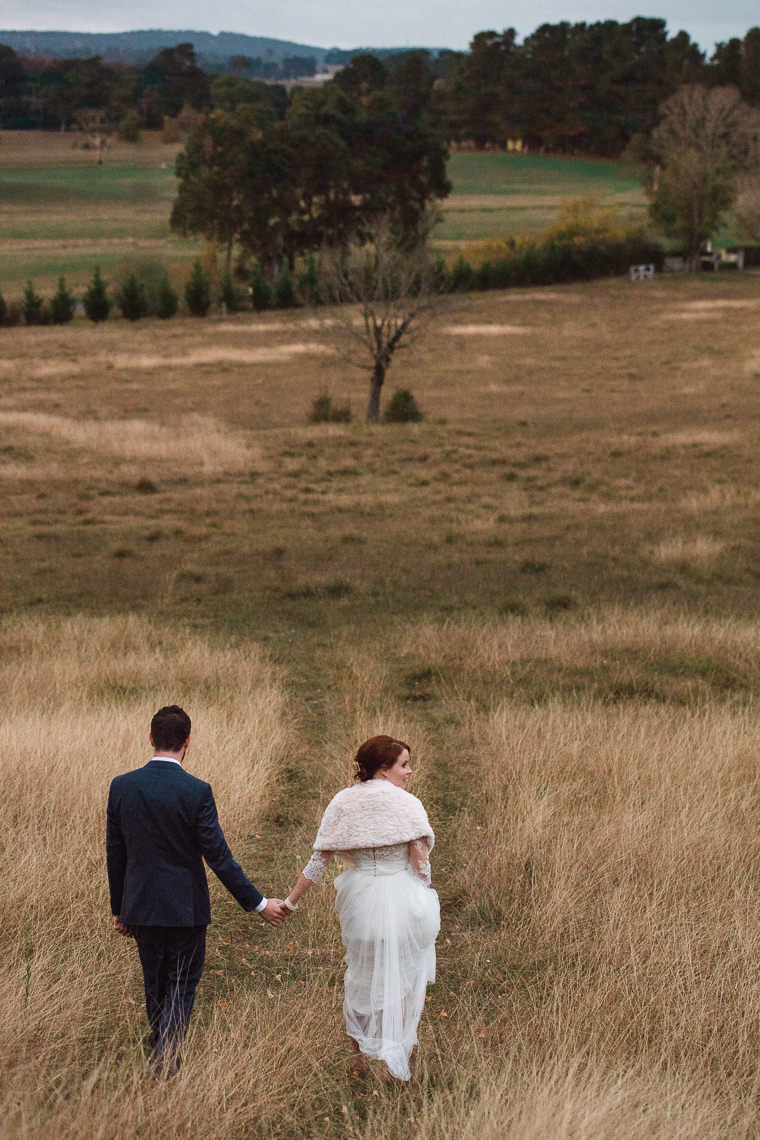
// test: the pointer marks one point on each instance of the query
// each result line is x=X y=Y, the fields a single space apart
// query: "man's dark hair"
x=170 y=728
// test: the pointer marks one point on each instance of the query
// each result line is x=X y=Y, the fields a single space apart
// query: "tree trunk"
x=376 y=384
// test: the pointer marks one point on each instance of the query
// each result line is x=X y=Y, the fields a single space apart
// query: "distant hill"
x=139 y=47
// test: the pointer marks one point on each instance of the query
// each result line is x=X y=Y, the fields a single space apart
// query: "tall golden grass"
x=589 y=767
x=77 y=697
x=597 y=859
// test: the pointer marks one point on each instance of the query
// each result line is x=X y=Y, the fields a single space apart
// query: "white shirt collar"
x=168 y=759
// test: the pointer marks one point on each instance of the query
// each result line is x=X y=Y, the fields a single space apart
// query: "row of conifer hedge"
x=587 y=241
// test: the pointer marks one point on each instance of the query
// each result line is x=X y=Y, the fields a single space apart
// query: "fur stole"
x=374 y=813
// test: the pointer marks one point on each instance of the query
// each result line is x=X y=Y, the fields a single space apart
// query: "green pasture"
x=539 y=174
x=62 y=213
x=498 y=194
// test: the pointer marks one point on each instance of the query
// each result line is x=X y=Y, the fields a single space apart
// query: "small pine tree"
x=96 y=302
x=197 y=292
x=132 y=299
x=402 y=408
x=462 y=277
x=167 y=300
x=308 y=283
x=324 y=411
x=62 y=305
x=129 y=127
x=228 y=294
x=32 y=306
x=261 y=294
x=14 y=314
x=284 y=293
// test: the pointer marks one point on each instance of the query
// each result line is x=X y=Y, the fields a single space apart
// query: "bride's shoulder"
x=342 y=796
x=407 y=797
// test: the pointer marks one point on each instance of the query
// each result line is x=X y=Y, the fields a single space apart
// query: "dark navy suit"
x=161 y=824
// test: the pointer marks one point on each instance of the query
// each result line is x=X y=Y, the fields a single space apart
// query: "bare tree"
x=93 y=124
x=706 y=138
x=712 y=121
x=385 y=294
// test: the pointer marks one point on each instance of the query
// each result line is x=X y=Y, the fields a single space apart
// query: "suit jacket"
x=161 y=824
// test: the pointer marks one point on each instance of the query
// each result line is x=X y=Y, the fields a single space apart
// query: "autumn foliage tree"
x=747 y=206
x=707 y=137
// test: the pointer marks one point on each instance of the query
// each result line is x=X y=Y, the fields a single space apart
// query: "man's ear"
x=150 y=738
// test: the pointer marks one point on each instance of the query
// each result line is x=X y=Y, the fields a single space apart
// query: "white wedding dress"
x=389 y=919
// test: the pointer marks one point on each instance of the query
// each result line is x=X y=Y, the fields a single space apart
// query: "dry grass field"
x=549 y=587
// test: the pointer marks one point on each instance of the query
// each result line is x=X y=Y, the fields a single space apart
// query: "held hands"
x=121 y=928
x=275 y=912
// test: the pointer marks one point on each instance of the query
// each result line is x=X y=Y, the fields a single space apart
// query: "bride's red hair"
x=377 y=753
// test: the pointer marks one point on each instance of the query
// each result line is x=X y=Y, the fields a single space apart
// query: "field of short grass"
x=592 y=443
x=549 y=587
x=495 y=195
x=61 y=213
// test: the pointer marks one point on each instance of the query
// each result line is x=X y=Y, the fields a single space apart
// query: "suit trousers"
x=172 y=960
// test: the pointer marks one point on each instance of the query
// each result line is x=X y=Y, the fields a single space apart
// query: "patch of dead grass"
x=197 y=441
x=700 y=437
x=699 y=550
x=487 y=330
x=219 y=355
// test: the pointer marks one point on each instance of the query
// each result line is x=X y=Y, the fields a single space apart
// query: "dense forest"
x=566 y=88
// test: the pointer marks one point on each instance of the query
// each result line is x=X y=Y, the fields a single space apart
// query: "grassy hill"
x=62 y=213
x=140 y=46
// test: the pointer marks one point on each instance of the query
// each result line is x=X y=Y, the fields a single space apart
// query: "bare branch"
x=385 y=296
x=747 y=207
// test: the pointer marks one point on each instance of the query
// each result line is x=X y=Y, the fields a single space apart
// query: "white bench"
x=641 y=272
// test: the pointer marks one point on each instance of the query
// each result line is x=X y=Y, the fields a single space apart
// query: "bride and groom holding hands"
x=162 y=824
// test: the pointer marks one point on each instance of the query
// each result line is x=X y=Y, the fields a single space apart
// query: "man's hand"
x=275 y=912
x=121 y=928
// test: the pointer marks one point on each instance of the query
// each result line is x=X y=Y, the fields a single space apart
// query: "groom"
x=161 y=825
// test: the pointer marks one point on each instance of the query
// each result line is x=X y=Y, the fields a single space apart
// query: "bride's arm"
x=419 y=860
x=312 y=873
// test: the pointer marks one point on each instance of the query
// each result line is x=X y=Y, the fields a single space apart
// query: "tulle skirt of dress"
x=389 y=922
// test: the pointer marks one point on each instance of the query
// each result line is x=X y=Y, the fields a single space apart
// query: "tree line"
x=584 y=88
x=53 y=94
x=577 y=88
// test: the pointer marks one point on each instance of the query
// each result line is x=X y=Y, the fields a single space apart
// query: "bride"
x=388 y=911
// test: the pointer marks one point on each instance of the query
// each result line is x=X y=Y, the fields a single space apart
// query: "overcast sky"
x=387 y=23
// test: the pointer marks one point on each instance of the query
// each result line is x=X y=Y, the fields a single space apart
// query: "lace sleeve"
x=317 y=865
x=419 y=860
